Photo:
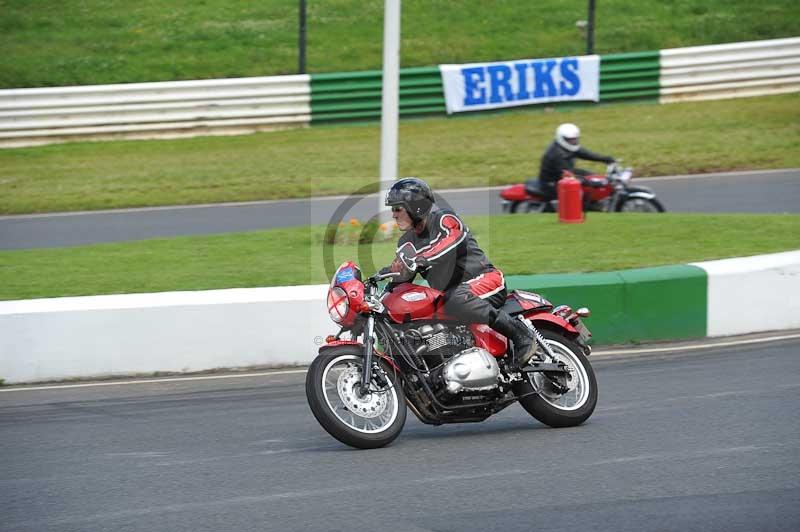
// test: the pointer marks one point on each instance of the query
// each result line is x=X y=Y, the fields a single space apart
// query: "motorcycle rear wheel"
x=557 y=409
x=538 y=206
x=363 y=421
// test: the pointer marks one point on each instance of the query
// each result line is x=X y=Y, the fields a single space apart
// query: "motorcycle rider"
x=448 y=257
x=560 y=155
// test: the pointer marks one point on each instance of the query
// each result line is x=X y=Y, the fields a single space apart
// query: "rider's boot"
x=519 y=334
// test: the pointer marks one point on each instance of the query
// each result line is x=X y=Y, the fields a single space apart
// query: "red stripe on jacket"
x=451 y=236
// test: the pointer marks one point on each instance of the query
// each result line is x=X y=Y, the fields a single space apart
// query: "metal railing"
x=244 y=105
x=164 y=109
x=357 y=95
x=733 y=70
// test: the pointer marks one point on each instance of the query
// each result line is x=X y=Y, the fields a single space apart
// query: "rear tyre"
x=537 y=206
x=551 y=406
x=363 y=421
x=514 y=207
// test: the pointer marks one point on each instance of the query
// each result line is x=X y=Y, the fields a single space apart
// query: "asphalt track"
x=682 y=440
x=767 y=191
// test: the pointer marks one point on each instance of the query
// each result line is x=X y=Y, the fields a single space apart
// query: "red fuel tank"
x=598 y=187
x=409 y=302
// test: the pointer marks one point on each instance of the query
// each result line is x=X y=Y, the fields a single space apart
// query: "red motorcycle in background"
x=612 y=192
x=397 y=349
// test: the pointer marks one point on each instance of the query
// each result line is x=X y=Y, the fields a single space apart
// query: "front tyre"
x=634 y=204
x=553 y=406
x=364 y=421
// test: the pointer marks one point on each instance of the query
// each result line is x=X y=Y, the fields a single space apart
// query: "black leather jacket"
x=557 y=159
x=451 y=253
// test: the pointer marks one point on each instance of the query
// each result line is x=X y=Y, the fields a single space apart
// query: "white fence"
x=148 y=110
x=244 y=105
x=730 y=70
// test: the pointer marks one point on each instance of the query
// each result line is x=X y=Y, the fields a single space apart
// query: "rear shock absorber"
x=539 y=338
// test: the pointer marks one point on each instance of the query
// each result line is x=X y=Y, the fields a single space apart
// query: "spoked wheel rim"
x=577 y=382
x=638 y=205
x=369 y=413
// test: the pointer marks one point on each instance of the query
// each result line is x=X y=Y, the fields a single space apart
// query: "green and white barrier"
x=153 y=110
x=231 y=106
x=63 y=338
x=753 y=294
x=668 y=302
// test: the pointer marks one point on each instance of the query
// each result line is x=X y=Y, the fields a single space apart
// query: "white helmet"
x=568 y=137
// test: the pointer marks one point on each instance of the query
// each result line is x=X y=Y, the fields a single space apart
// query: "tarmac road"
x=685 y=440
x=767 y=191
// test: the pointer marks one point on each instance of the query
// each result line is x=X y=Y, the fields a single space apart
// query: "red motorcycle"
x=397 y=349
x=612 y=192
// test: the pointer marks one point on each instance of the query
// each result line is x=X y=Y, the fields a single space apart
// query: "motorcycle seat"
x=532 y=187
x=520 y=301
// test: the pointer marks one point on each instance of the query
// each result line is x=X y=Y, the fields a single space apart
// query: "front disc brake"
x=369 y=405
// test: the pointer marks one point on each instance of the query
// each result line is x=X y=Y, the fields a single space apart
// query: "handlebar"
x=381 y=276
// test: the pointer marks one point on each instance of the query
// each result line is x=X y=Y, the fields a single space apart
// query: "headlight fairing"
x=338 y=304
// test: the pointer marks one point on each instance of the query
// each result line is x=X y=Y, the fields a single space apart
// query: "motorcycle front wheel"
x=553 y=405
x=361 y=420
x=641 y=205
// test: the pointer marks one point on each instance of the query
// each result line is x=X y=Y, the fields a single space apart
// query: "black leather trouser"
x=467 y=307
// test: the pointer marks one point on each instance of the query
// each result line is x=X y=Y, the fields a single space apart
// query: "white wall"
x=753 y=294
x=177 y=331
x=61 y=338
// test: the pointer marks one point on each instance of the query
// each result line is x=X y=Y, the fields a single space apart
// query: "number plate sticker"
x=583 y=330
x=346 y=274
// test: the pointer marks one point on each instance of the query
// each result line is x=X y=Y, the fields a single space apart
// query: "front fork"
x=366 y=370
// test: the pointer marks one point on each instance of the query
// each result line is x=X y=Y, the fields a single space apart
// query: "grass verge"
x=750 y=133
x=112 y=41
x=520 y=244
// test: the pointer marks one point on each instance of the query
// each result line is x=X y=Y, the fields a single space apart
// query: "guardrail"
x=244 y=105
x=349 y=96
x=629 y=76
x=147 y=110
x=357 y=95
x=730 y=70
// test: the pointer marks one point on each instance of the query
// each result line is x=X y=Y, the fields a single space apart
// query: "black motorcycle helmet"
x=414 y=195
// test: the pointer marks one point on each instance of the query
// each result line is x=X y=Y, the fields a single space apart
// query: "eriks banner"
x=479 y=86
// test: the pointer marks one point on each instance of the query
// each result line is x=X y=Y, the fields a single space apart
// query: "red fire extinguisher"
x=570 y=201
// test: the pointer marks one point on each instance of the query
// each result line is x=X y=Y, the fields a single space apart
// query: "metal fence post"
x=590 y=29
x=301 y=46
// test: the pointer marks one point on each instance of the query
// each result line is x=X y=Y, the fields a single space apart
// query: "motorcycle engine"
x=449 y=354
x=471 y=370
x=437 y=342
